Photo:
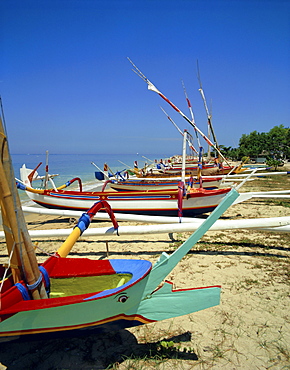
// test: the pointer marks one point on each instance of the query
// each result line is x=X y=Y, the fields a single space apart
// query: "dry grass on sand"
x=250 y=329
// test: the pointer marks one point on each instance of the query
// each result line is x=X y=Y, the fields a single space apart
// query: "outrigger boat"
x=179 y=202
x=207 y=169
x=67 y=296
x=210 y=170
x=140 y=183
x=143 y=185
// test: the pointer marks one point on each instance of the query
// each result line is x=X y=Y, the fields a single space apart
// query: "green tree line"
x=273 y=145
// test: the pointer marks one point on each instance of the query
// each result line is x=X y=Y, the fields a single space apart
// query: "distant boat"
x=189 y=171
x=144 y=185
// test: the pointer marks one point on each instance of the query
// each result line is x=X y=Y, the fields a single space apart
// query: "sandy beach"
x=250 y=329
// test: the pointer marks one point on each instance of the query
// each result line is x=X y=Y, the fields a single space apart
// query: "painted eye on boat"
x=122 y=298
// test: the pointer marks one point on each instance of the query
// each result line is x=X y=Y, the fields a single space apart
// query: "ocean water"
x=69 y=166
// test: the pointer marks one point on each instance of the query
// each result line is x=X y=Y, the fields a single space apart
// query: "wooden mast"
x=191 y=113
x=190 y=144
x=210 y=126
x=23 y=261
x=154 y=88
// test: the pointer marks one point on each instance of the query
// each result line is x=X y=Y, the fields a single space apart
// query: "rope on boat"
x=35 y=284
x=23 y=291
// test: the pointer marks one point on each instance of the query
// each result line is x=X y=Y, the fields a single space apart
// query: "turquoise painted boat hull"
x=142 y=299
x=115 y=308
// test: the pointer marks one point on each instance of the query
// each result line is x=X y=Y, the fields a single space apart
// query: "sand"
x=250 y=329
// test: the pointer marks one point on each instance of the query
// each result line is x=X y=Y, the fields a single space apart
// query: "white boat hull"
x=144 y=203
x=132 y=185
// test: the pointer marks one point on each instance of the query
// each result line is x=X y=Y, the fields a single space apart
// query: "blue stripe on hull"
x=169 y=212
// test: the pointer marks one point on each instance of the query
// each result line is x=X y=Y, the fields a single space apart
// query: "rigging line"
x=44 y=251
x=138 y=72
x=6 y=270
x=8 y=265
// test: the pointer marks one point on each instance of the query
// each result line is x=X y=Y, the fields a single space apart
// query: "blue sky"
x=67 y=86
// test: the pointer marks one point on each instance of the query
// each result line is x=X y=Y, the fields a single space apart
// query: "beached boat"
x=140 y=182
x=68 y=296
x=156 y=202
x=192 y=171
x=144 y=185
x=156 y=170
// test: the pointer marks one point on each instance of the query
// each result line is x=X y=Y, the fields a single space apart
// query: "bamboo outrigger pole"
x=153 y=88
x=23 y=261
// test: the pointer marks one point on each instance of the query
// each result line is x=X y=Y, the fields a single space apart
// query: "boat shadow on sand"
x=90 y=352
x=229 y=249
